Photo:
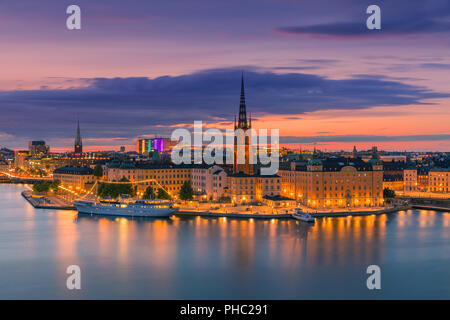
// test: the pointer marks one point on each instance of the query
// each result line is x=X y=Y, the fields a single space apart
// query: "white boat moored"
x=127 y=208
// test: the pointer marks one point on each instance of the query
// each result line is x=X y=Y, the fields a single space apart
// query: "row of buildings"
x=334 y=182
x=435 y=180
x=314 y=179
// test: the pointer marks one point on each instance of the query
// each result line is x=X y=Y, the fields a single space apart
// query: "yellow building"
x=393 y=184
x=335 y=183
x=21 y=159
x=244 y=188
x=168 y=176
x=410 y=180
x=439 y=180
x=75 y=178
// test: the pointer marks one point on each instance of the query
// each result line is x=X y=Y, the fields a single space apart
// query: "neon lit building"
x=143 y=146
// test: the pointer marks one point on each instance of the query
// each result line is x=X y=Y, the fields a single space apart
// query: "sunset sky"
x=312 y=69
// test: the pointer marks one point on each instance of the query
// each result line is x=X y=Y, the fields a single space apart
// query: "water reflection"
x=197 y=257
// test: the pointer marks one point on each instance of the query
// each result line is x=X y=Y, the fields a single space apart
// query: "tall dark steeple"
x=242 y=146
x=242 y=124
x=78 y=141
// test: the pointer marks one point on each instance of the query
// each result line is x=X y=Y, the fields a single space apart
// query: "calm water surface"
x=200 y=258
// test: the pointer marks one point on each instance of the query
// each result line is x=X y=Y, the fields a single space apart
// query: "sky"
x=312 y=70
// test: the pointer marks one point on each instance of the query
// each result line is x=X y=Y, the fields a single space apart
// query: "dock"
x=431 y=207
x=47 y=202
x=233 y=215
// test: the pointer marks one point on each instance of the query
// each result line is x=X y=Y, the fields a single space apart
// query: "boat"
x=126 y=208
x=299 y=214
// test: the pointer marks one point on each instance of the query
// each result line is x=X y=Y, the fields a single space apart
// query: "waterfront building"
x=439 y=180
x=422 y=179
x=410 y=180
x=393 y=174
x=435 y=180
x=416 y=179
x=209 y=181
x=77 y=178
x=78 y=150
x=244 y=188
x=156 y=175
x=334 y=182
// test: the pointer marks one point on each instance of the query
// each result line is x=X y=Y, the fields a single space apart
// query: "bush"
x=41 y=186
x=186 y=192
x=114 y=190
x=149 y=193
x=98 y=171
x=388 y=193
x=163 y=195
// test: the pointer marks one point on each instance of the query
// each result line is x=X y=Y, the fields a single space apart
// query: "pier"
x=47 y=202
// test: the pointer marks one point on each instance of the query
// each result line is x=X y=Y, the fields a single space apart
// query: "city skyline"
x=150 y=68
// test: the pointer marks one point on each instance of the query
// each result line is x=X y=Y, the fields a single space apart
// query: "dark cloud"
x=296 y=68
x=365 y=138
x=440 y=66
x=397 y=18
x=128 y=107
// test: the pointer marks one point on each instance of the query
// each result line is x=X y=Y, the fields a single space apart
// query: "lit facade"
x=209 y=180
x=439 y=180
x=74 y=177
x=335 y=183
x=167 y=176
x=243 y=188
x=38 y=148
x=145 y=146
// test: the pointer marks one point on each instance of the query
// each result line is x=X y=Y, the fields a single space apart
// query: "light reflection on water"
x=220 y=258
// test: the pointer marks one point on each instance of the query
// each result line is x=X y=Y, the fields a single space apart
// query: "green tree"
x=149 y=193
x=41 y=186
x=114 y=190
x=98 y=171
x=186 y=191
x=55 y=185
x=388 y=194
x=162 y=194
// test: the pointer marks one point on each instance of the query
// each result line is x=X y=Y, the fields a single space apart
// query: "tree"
x=55 y=185
x=98 y=171
x=149 y=193
x=114 y=190
x=186 y=191
x=162 y=194
x=388 y=194
x=41 y=186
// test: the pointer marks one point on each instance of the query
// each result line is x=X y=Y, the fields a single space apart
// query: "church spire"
x=242 y=108
x=78 y=141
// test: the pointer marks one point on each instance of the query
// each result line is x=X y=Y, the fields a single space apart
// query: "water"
x=200 y=258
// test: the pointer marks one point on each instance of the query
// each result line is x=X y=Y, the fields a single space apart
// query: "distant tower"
x=244 y=125
x=355 y=152
x=78 y=142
